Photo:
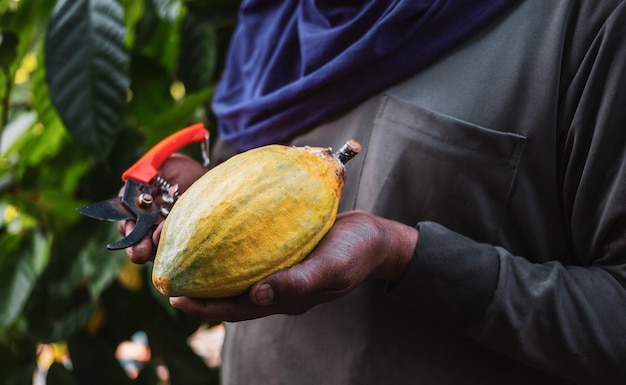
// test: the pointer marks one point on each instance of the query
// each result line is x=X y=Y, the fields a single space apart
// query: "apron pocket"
x=423 y=165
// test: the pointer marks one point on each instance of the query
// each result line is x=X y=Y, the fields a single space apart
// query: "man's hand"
x=359 y=246
x=177 y=169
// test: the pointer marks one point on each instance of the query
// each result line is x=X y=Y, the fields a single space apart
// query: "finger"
x=182 y=170
x=228 y=309
x=141 y=252
x=333 y=269
x=121 y=227
x=297 y=289
x=156 y=235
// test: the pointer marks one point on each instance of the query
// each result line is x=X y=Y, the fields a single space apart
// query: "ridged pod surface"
x=256 y=213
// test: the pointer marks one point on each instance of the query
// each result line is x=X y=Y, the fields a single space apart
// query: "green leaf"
x=198 y=54
x=95 y=264
x=157 y=33
x=100 y=264
x=133 y=10
x=87 y=65
x=52 y=130
x=19 y=276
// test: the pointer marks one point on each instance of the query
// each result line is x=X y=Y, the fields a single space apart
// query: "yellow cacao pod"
x=258 y=212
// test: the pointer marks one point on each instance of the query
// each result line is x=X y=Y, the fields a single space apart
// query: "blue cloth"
x=293 y=64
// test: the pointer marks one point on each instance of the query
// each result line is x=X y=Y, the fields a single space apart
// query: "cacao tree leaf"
x=19 y=275
x=87 y=65
x=68 y=293
x=51 y=128
x=94 y=266
x=198 y=54
x=157 y=33
x=100 y=265
x=133 y=10
x=54 y=316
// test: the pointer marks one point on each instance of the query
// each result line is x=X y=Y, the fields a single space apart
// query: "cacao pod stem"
x=348 y=151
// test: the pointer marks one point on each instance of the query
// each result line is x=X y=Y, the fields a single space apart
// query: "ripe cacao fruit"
x=258 y=212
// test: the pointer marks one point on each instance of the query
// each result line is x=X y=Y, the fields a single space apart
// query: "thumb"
x=263 y=293
x=285 y=285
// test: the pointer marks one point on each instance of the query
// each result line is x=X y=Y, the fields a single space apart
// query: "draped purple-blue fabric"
x=294 y=64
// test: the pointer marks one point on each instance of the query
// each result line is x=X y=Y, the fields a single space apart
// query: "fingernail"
x=265 y=294
x=173 y=301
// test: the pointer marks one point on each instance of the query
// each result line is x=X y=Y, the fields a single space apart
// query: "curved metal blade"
x=143 y=225
x=109 y=210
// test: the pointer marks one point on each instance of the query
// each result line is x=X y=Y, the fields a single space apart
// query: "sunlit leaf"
x=50 y=130
x=87 y=65
x=133 y=10
x=15 y=130
x=157 y=33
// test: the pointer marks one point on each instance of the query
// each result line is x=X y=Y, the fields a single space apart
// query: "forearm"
x=450 y=277
x=564 y=320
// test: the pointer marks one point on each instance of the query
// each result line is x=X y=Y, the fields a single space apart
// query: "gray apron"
x=474 y=144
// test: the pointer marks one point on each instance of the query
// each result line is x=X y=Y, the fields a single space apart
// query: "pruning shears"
x=141 y=184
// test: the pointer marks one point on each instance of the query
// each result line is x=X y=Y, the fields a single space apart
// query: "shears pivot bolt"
x=145 y=201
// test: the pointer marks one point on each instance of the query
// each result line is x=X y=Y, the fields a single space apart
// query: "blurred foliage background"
x=86 y=87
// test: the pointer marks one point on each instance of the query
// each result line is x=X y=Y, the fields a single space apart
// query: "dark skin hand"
x=177 y=169
x=359 y=246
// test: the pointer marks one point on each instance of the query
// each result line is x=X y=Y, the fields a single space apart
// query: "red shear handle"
x=147 y=166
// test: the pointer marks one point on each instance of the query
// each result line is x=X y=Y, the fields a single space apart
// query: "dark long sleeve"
x=563 y=313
